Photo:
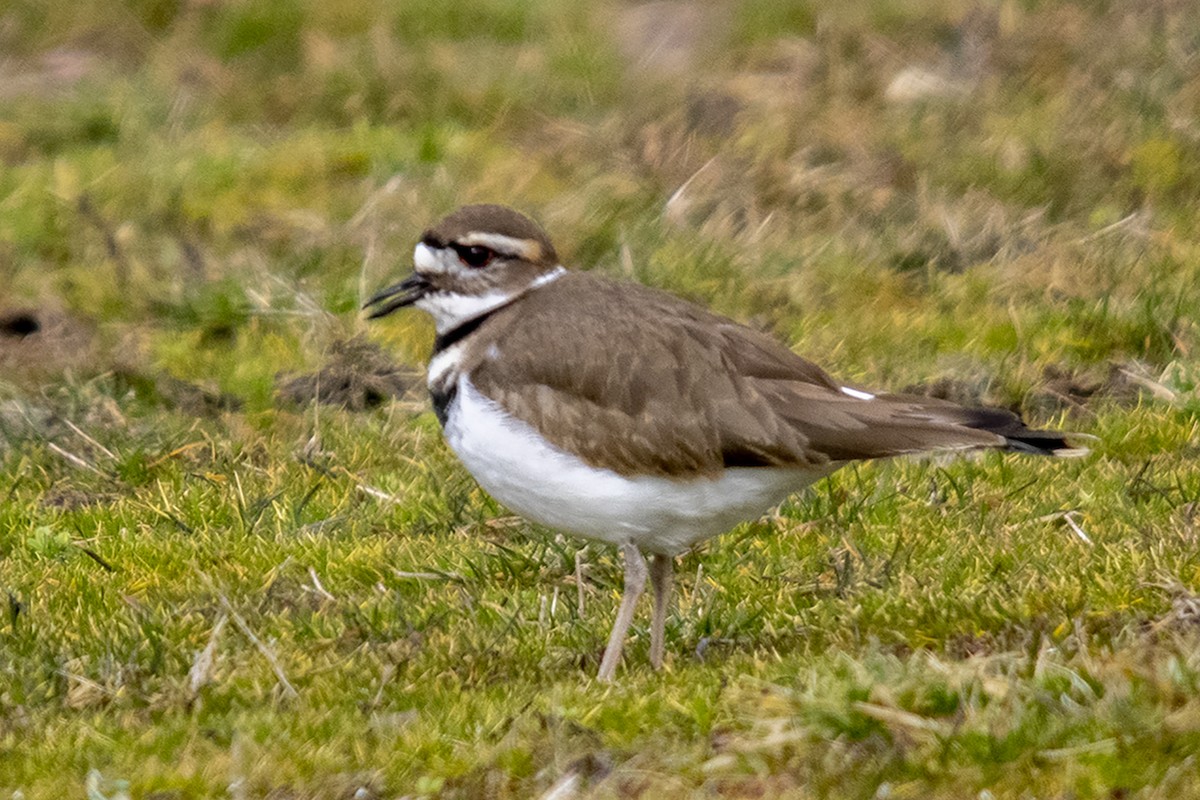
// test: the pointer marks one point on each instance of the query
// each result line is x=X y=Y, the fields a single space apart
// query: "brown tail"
x=1019 y=438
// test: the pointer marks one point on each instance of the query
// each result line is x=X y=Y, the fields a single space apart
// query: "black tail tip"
x=1050 y=443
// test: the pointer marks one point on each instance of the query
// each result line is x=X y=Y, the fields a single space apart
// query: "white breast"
x=554 y=488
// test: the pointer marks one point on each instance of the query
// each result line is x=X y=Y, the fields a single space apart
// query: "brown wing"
x=841 y=427
x=675 y=390
x=634 y=380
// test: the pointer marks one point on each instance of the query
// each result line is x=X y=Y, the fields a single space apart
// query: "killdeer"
x=623 y=414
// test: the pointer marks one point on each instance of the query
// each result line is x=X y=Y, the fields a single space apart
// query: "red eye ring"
x=474 y=256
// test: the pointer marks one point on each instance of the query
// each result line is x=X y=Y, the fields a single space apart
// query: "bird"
x=621 y=413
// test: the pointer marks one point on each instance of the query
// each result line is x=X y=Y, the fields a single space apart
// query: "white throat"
x=451 y=309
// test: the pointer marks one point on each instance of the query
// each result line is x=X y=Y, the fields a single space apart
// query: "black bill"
x=404 y=293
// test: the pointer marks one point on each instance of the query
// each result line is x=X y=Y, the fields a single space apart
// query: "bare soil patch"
x=357 y=376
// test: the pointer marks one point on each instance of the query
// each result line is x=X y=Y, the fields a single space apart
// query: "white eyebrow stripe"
x=527 y=249
x=856 y=394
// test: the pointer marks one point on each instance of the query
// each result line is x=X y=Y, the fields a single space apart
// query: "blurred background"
x=1004 y=192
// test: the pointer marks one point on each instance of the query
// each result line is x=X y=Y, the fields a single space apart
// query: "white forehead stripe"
x=855 y=393
x=527 y=249
x=425 y=259
x=431 y=261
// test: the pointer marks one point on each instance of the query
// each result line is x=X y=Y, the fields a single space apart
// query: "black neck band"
x=456 y=335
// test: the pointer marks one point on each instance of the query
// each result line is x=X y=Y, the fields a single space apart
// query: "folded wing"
x=678 y=391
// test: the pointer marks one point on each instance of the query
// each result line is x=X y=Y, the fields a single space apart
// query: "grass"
x=212 y=592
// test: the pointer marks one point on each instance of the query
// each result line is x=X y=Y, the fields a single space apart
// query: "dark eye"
x=474 y=256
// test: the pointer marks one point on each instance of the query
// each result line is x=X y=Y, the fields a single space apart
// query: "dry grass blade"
x=428 y=576
x=903 y=719
x=263 y=648
x=200 y=673
x=318 y=587
x=110 y=454
x=78 y=461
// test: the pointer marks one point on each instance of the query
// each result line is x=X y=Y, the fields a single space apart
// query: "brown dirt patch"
x=357 y=376
x=65 y=497
x=1121 y=383
x=38 y=344
x=190 y=398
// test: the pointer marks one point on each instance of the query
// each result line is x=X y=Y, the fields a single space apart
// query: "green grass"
x=207 y=593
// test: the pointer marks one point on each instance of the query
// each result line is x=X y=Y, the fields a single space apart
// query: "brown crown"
x=489 y=218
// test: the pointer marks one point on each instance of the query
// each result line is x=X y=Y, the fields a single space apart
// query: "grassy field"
x=213 y=586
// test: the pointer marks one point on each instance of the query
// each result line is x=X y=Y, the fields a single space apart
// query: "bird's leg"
x=661 y=570
x=635 y=582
